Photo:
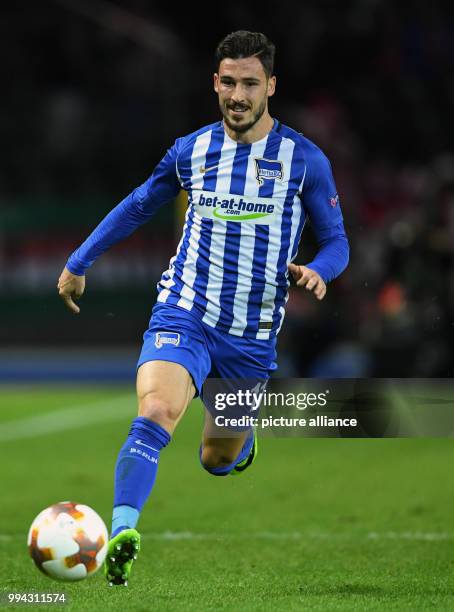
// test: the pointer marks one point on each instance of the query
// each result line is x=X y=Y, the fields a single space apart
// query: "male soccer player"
x=251 y=182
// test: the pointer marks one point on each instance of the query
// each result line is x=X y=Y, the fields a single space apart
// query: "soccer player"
x=252 y=183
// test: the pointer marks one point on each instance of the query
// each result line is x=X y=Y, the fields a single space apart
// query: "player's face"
x=243 y=90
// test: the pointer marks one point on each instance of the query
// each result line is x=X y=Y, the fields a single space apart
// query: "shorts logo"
x=166 y=338
x=334 y=201
x=268 y=169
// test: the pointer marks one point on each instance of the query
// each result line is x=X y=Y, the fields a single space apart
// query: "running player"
x=252 y=183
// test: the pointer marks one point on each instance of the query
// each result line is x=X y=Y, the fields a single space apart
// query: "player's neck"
x=258 y=131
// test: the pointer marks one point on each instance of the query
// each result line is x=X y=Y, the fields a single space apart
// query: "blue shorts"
x=179 y=336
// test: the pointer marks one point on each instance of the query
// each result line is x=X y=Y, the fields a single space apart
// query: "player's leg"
x=173 y=362
x=164 y=391
x=237 y=365
x=221 y=449
x=161 y=406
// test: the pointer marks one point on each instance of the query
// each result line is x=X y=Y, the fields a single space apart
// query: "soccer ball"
x=68 y=541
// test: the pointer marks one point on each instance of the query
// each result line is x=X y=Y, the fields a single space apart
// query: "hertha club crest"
x=166 y=338
x=268 y=169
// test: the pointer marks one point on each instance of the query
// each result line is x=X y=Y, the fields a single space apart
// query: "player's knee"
x=213 y=457
x=158 y=409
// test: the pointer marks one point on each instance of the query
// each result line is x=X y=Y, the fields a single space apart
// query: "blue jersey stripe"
x=258 y=278
x=286 y=228
x=229 y=277
x=232 y=240
x=301 y=223
x=261 y=247
x=239 y=168
x=202 y=264
x=298 y=234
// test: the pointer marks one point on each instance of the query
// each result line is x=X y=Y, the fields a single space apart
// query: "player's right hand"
x=70 y=287
x=305 y=277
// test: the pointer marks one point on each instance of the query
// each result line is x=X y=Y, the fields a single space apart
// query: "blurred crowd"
x=99 y=90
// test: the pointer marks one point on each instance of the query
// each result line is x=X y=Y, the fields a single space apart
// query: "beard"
x=244 y=127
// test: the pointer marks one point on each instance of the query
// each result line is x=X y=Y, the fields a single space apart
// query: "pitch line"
x=299 y=535
x=178 y=536
x=73 y=417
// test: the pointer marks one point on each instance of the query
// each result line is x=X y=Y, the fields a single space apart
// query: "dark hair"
x=247 y=44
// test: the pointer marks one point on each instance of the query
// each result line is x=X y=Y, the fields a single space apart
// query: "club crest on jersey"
x=166 y=338
x=268 y=169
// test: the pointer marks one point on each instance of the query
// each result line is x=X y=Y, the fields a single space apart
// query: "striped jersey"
x=247 y=206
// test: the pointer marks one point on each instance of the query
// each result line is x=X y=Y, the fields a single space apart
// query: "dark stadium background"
x=94 y=92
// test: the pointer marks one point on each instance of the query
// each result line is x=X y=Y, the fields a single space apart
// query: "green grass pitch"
x=315 y=524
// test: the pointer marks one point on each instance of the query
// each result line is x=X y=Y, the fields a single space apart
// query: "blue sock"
x=135 y=472
x=224 y=470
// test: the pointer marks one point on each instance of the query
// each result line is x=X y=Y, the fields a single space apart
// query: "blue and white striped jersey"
x=247 y=206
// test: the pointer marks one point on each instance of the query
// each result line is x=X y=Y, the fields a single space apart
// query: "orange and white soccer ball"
x=68 y=541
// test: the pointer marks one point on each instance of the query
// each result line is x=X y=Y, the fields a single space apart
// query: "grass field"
x=315 y=524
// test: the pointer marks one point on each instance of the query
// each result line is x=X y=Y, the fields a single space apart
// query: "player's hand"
x=70 y=287
x=305 y=277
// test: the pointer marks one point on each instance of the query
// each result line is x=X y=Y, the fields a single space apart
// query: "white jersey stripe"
x=217 y=246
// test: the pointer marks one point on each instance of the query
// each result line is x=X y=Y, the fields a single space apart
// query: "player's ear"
x=271 y=85
x=216 y=82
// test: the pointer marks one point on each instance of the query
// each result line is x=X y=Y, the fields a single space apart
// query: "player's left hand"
x=305 y=277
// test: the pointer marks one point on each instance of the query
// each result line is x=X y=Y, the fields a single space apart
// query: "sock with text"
x=135 y=471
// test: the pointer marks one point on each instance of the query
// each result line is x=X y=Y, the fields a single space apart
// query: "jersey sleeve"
x=135 y=210
x=321 y=202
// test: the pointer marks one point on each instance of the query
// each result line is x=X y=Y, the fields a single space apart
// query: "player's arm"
x=321 y=202
x=135 y=210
